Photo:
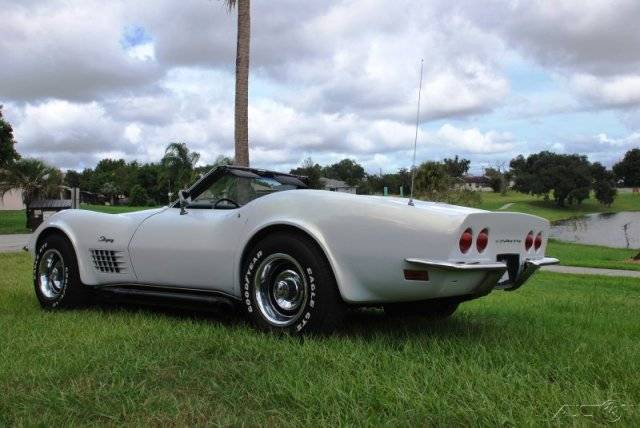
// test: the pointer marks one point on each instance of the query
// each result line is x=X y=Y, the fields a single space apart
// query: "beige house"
x=12 y=200
x=337 y=186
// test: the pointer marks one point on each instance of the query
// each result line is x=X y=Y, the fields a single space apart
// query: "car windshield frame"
x=208 y=180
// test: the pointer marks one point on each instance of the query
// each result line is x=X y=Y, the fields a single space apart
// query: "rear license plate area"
x=513 y=268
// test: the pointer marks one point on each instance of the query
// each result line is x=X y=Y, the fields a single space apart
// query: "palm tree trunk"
x=242 y=83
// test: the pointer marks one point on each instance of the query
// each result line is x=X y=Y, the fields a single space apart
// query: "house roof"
x=50 y=203
x=334 y=184
x=476 y=179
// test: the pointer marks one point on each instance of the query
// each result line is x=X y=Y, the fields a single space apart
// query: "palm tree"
x=34 y=177
x=179 y=162
x=243 y=47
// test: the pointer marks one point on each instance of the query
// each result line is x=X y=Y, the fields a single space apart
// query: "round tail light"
x=528 y=241
x=537 y=243
x=482 y=240
x=466 y=240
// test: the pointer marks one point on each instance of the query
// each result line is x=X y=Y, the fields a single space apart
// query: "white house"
x=12 y=200
x=336 y=185
x=477 y=182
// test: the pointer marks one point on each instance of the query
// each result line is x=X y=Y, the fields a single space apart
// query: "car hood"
x=141 y=215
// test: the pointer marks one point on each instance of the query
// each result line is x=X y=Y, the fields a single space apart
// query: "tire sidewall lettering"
x=56 y=301
x=248 y=296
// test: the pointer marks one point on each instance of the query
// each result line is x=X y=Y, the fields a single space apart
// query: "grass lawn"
x=13 y=221
x=547 y=209
x=592 y=255
x=507 y=359
x=112 y=209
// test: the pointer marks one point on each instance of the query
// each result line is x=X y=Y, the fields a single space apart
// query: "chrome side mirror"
x=185 y=200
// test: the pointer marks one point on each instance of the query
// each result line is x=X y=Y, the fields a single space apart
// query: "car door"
x=194 y=250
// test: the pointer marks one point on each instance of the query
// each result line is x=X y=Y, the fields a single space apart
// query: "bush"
x=605 y=192
x=138 y=196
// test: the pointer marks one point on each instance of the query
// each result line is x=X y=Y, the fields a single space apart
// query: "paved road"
x=13 y=242
x=506 y=206
x=592 y=271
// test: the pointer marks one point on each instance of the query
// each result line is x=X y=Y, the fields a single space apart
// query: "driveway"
x=592 y=271
x=13 y=242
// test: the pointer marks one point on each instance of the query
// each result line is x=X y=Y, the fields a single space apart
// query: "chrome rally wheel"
x=280 y=289
x=51 y=276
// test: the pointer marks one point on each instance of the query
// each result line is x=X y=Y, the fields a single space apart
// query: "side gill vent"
x=109 y=261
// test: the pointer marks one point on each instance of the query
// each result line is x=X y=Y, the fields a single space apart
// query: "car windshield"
x=234 y=190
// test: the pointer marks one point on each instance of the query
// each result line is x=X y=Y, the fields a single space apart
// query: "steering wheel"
x=227 y=200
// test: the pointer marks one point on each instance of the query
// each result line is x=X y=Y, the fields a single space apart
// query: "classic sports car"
x=293 y=258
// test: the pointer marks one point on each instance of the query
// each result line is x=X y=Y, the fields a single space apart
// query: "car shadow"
x=370 y=323
x=220 y=314
x=367 y=324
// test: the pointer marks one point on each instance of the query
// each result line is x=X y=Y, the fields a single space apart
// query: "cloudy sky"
x=82 y=79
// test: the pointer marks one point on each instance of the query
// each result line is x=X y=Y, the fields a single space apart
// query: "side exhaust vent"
x=108 y=261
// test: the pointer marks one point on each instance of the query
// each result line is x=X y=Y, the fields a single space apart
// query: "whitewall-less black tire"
x=288 y=286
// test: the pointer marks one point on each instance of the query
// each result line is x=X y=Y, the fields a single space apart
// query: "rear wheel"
x=55 y=275
x=288 y=286
x=429 y=309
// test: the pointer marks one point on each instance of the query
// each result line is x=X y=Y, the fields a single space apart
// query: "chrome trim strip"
x=496 y=266
x=547 y=261
x=165 y=288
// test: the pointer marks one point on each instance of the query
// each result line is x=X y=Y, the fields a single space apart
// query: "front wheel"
x=55 y=275
x=435 y=310
x=288 y=286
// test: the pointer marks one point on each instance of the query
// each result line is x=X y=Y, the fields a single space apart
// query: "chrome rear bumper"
x=530 y=266
x=494 y=271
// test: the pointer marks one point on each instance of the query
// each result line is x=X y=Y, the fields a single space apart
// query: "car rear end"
x=500 y=250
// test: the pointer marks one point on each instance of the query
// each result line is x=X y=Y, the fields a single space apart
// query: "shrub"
x=138 y=196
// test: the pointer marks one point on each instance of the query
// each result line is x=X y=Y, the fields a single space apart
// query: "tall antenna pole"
x=415 y=141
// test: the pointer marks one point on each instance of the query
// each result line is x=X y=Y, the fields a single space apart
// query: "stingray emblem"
x=105 y=239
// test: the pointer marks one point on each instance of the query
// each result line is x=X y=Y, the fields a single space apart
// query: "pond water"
x=621 y=230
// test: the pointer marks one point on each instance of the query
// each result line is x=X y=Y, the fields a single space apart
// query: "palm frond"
x=231 y=4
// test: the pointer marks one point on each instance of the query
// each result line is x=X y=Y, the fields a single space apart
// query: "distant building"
x=336 y=186
x=479 y=183
x=12 y=200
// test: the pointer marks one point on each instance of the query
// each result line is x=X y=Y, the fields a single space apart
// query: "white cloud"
x=62 y=50
x=473 y=141
x=329 y=79
x=142 y=52
x=617 y=91
x=594 y=43
x=68 y=132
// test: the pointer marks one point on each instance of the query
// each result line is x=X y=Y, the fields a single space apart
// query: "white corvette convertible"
x=294 y=259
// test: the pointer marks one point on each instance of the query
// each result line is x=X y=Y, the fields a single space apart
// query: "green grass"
x=13 y=221
x=507 y=359
x=592 y=255
x=117 y=209
x=547 y=209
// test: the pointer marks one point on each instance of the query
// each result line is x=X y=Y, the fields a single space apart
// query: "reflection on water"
x=620 y=230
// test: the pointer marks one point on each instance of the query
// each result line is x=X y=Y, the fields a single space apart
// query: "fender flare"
x=283 y=225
